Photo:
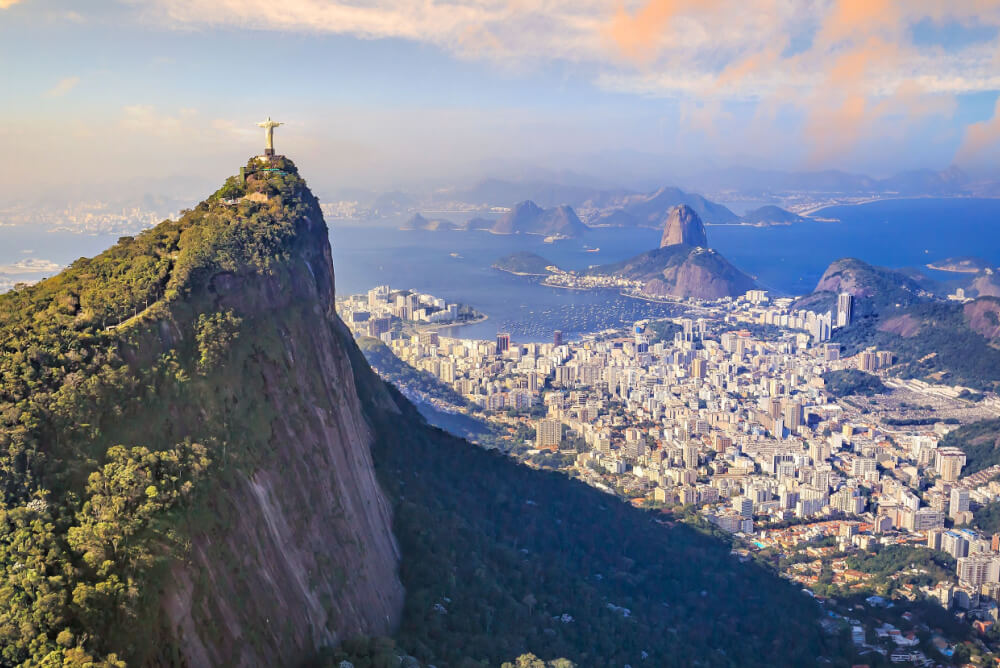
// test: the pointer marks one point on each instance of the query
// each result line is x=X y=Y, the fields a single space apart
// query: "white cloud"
x=494 y=29
x=64 y=86
x=688 y=43
x=839 y=62
x=30 y=265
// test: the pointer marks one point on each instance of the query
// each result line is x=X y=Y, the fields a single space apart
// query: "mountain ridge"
x=683 y=266
x=192 y=389
x=182 y=382
x=940 y=341
x=528 y=218
x=652 y=209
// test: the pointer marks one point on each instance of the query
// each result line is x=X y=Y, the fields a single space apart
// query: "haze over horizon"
x=420 y=95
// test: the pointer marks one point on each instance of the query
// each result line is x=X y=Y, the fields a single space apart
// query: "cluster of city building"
x=755 y=307
x=569 y=279
x=741 y=426
x=373 y=314
x=95 y=217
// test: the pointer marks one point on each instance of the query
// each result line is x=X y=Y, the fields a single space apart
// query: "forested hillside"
x=159 y=445
x=190 y=448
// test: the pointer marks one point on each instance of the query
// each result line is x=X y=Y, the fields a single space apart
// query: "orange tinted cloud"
x=737 y=71
x=851 y=67
x=4 y=4
x=851 y=17
x=637 y=35
x=840 y=112
x=834 y=130
x=911 y=101
x=981 y=139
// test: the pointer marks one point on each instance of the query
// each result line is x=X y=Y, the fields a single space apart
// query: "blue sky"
x=418 y=92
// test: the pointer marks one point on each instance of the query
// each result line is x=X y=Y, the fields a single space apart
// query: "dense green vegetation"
x=523 y=262
x=845 y=382
x=918 y=422
x=495 y=554
x=663 y=331
x=987 y=518
x=896 y=560
x=944 y=348
x=980 y=441
x=650 y=264
x=99 y=473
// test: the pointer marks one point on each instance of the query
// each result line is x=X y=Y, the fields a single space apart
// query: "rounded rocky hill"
x=683 y=226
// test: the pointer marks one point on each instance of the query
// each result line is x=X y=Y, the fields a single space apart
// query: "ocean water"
x=891 y=233
x=786 y=259
x=456 y=265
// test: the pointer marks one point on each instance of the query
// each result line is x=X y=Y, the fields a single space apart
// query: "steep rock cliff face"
x=310 y=557
x=983 y=317
x=683 y=226
x=986 y=284
x=198 y=443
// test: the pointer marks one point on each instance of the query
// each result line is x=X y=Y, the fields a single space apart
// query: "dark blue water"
x=371 y=255
x=788 y=259
x=891 y=233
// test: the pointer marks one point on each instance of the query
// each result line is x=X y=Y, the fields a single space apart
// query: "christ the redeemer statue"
x=269 y=126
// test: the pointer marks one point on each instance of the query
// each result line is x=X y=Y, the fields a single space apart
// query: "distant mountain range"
x=598 y=203
x=498 y=192
x=529 y=218
x=650 y=210
x=607 y=207
x=918 y=182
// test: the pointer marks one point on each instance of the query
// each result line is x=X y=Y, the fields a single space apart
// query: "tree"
x=216 y=334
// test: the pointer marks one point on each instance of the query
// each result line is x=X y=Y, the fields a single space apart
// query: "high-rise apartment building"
x=845 y=304
x=959 y=502
x=503 y=343
x=549 y=433
x=949 y=462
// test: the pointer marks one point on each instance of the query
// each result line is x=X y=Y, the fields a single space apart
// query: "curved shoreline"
x=645 y=298
x=873 y=200
x=433 y=327
x=517 y=273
